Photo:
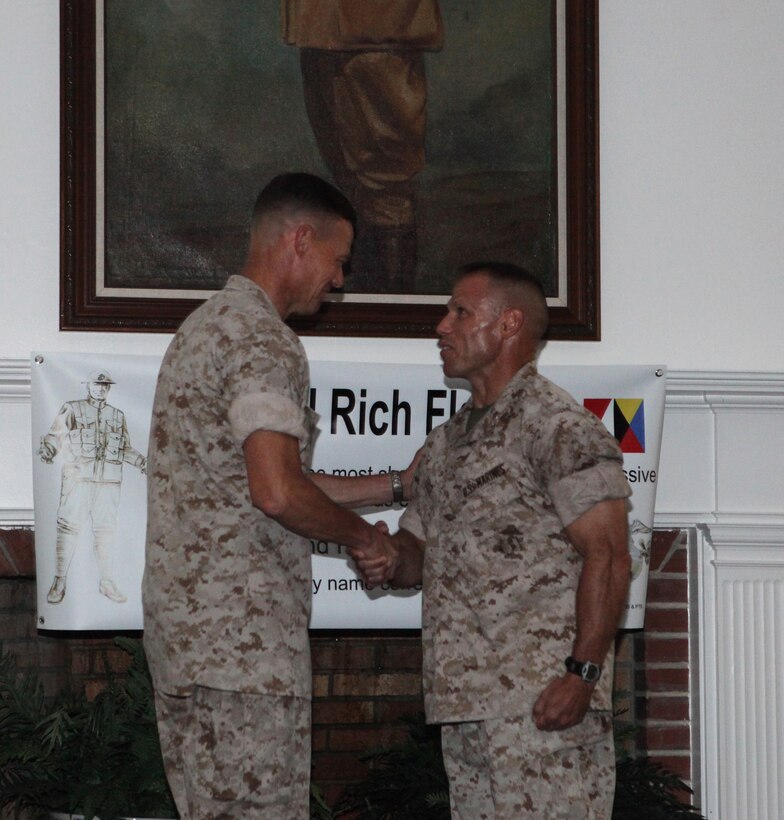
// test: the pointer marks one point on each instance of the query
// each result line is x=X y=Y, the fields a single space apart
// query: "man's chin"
x=309 y=309
x=449 y=369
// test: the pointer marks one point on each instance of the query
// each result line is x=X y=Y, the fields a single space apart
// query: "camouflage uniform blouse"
x=500 y=576
x=226 y=590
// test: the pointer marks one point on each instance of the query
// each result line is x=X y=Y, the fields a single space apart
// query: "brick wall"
x=364 y=681
x=661 y=658
x=18 y=632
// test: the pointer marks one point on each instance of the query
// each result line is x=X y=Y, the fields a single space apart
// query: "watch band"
x=397 y=486
x=588 y=671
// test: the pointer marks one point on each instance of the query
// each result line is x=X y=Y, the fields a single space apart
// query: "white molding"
x=707 y=392
x=705 y=409
x=697 y=388
x=709 y=700
x=14 y=380
x=13 y=518
x=715 y=384
x=713 y=387
x=693 y=391
x=747 y=530
x=666 y=520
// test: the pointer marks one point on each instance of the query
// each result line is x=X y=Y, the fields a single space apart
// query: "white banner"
x=90 y=503
x=373 y=417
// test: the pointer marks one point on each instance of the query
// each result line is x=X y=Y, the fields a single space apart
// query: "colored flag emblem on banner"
x=624 y=418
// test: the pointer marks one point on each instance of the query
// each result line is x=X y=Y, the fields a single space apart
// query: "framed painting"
x=462 y=131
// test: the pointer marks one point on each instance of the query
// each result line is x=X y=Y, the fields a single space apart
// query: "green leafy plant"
x=646 y=790
x=96 y=758
x=405 y=780
x=319 y=808
x=408 y=780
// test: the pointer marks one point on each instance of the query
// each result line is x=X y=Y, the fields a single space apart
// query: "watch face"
x=590 y=672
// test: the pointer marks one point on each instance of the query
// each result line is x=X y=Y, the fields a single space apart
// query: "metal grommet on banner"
x=39 y=359
x=659 y=372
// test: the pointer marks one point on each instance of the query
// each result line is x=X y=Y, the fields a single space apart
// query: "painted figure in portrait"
x=437 y=120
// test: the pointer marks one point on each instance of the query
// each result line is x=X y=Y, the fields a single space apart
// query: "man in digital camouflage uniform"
x=227 y=583
x=93 y=439
x=519 y=528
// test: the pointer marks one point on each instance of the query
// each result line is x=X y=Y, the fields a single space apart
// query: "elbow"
x=273 y=503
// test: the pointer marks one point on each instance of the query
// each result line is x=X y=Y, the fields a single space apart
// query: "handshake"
x=377 y=561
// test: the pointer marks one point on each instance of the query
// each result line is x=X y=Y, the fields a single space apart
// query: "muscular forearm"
x=601 y=536
x=304 y=508
x=280 y=489
x=601 y=597
x=366 y=490
x=355 y=491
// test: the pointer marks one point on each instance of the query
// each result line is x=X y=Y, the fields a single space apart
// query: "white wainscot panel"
x=686 y=487
x=722 y=447
x=742 y=669
x=750 y=459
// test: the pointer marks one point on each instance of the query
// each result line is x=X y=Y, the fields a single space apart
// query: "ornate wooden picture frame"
x=90 y=302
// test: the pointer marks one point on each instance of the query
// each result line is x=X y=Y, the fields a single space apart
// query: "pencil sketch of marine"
x=92 y=439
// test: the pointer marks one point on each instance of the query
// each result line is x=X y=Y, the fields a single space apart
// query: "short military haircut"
x=301 y=192
x=522 y=288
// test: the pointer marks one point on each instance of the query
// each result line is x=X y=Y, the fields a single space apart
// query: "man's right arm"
x=281 y=490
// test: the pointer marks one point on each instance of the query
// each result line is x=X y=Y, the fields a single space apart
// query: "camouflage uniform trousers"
x=231 y=755
x=506 y=769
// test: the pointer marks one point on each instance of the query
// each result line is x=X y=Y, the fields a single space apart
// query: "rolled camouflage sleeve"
x=265 y=382
x=581 y=462
x=577 y=493
x=267 y=411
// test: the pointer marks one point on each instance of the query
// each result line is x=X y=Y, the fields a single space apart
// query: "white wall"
x=692 y=123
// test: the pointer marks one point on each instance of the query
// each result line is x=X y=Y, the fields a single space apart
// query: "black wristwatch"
x=588 y=671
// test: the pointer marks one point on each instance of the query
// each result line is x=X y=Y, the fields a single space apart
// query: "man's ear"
x=303 y=235
x=512 y=321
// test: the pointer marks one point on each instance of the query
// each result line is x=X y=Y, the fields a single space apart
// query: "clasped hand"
x=377 y=560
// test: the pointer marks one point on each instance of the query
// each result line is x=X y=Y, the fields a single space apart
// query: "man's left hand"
x=563 y=703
